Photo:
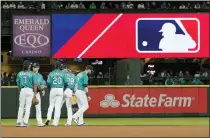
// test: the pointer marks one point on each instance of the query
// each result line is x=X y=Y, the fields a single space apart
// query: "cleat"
x=84 y=124
x=18 y=124
x=47 y=122
x=54 y=125
x=25 y=125
x=41 y=125
x=67 y=124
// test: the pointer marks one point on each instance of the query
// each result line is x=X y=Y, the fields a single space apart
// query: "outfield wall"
x=127 y=101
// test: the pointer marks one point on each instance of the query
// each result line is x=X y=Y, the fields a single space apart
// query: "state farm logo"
x=109 y=100
x=31 y=40
x=163 y=100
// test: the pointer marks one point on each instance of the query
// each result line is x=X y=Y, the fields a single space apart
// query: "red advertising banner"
x=147 y=100
x=126 y=35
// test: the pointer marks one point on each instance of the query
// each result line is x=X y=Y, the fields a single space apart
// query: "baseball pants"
x=82 y=102
x=25 y=101
x=38 y=109
x=68 y=94
x=56 y=97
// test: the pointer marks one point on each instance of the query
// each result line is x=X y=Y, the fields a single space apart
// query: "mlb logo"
x=167 y=35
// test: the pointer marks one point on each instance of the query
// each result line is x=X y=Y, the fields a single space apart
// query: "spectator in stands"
x=180 y=74
x=163 y=74
x=168 y=6
x=117 y=6
x=12 y=79
x=189 y=6
x=5 y=79
x=181 y=81
x=197 y=74
x=147 y=5
x=81 y=5
x=60 y=5
x=163 y=5
x=196 y=81
x=6 y=6
x=169 y=81
x=21 y=6
x=205 y=74
x=123 y=5
x=187 y=74
x=43 y=6
x=92 y=6
x=53 y=6
x=74 y=5
x=130 y=5
x=100 y=78
x=110 y=5
x=197 y=6
x=182 y=6
x=103 y=5
x=140 y=6
x=12 y=6
x=153 y=5
x=68 y=6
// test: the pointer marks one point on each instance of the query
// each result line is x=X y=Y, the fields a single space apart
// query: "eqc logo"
x=146 y=101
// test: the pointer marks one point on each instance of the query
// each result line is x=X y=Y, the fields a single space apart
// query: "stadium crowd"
x=151 y=76
x=106 y=5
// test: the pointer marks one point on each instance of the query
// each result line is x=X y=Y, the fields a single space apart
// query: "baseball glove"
x=35 y=101
x=73 y=100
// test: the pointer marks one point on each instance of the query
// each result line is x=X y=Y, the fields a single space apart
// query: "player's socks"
x=47 y=122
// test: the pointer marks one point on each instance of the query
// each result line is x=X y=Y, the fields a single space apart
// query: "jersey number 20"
x=57 y=80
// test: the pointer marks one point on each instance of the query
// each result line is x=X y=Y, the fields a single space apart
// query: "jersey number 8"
x=57 y=80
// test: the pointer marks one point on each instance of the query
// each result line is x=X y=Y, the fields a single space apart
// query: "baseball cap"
x=89 y=67
x=36 y=65
x=27 y=63
x=58 y=64
x=63 y=66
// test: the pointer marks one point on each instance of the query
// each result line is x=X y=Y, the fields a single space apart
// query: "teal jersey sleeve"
x=49 y=79
x=85 y=79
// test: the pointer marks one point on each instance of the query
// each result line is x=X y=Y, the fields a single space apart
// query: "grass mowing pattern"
x=126 y=121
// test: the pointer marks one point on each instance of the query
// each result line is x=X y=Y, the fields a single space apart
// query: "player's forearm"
x=35 y=89
x=86 y=91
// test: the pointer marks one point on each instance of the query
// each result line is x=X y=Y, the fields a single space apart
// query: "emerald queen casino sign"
x=31 y=36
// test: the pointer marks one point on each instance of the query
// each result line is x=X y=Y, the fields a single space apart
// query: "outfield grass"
x=128 y=121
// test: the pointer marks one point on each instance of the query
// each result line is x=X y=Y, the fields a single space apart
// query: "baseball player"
x=82 y=95
x=70 y=79
x=26 y=82
x=41 y=85
x=56 y=82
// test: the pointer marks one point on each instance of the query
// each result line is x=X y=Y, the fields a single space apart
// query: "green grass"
x=128 y=121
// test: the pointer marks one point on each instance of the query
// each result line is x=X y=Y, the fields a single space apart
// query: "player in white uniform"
x=56 y=83
x=41 y=85
x=70 y=78
x=82 y=95
x=27 y=85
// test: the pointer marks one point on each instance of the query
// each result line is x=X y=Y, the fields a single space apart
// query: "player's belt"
x=25 y=87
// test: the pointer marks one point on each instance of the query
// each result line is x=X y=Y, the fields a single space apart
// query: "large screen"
x=124 y=35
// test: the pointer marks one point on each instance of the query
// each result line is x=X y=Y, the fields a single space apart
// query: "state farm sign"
x=148 y=100
x=162 y=101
